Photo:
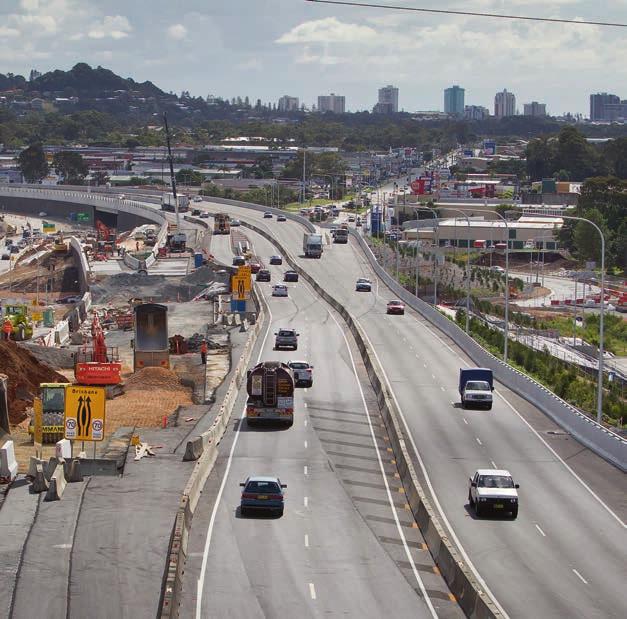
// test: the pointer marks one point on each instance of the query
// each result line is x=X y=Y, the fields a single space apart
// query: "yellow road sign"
x=239 y=287
x=84 y=413
x=245 y=271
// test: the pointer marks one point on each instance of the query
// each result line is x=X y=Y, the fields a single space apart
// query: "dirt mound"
x=25 y=373
x=153 y=377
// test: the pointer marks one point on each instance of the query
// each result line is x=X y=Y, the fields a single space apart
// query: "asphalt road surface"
x=566 y=553
x=347 y=544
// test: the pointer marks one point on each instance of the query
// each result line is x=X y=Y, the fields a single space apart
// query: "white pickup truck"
x=475 y=387
x=494 y=490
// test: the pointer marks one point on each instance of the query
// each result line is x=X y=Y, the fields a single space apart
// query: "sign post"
x=85 y=413
x=38 y=429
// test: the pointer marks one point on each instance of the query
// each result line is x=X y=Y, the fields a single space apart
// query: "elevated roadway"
x=566 y=554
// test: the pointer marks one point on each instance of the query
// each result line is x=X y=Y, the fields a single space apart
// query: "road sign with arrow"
x=84 y=413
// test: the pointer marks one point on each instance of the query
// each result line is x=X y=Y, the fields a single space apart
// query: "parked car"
x=395 y=307
x=279 y=290
x=286 y=338
x=303 y=373
x=262 y=493
x=267 y=215
x=363 y=285
x=495 y=490
x=276 y=260
x=263 y=275
x=290 y=276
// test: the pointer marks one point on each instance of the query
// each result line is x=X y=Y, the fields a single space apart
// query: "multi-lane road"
x=565 y=555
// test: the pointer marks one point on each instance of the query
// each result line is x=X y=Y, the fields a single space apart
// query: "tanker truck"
x=270 y=388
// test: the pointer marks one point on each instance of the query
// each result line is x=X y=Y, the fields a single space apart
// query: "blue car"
x=363 y=285
x=262 y=493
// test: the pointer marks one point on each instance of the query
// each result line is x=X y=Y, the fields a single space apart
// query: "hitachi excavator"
x=97 y=365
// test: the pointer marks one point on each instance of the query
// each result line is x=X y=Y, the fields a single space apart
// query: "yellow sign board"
x=37 y=316
x=244 y=271
x=240 y=287
x=84 y=413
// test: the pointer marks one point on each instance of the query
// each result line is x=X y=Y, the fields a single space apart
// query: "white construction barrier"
x=63 y=449
x=8 y=463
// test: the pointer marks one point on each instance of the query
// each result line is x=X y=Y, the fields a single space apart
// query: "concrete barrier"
x=204 y=450
x=72 y=470
x=460 y=580
x=8 y=463
x=57 y=485
x=40 y=483
x=4 y=405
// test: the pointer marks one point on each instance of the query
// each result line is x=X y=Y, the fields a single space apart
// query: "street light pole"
x=435 y=265
x=601 y=313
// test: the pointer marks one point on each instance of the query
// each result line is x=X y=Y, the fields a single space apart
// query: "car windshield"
x=477 y=385
x=263 y=486
x=395 y=303
x=299 y=365
x=286 y=333
x=495 y=481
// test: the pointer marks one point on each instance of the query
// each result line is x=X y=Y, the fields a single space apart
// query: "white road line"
x=478 y=441
x=583 y=580
x=305 y=422
x=305 y=404
x=305 y=444
x=436 y=501
x=306 y=540
x=493 y=463
x=305 y=470
x=306 y=501
x=401 y=533
x=443 y=389
x=205 y=557
x=312 y=591
x=465 y=420
x=433 y=376
x=541 y=531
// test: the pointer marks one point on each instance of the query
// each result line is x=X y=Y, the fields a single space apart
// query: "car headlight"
x=514 y=500
x=482 y=498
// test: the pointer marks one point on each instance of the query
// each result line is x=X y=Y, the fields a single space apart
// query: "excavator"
x=98 y=364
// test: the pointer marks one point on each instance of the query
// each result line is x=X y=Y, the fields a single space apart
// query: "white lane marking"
x=541 y=531
x=305 y=501
x=436 y=502
x=306 y=540
x=312 y=591
x=583 y=580
x=401 y=533
x=478 y=441
x=417 y=357
x=465 y=420
x=305 y=444
x=424 y=364
x=305 y=404
x=205 y=556
x=305 y=471
x=443 y=389
x=493 y=463
x=305 y=422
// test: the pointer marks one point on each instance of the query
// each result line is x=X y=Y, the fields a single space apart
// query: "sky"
x=267 y=48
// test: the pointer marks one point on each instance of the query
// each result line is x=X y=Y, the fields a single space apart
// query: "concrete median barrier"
x=40 y=483
x=57 y=485
x=459 y=578
x=8 y=463
x=72 y=470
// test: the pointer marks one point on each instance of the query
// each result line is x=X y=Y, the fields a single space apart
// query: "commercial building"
x=504 y=104
x=388 y=100
x=454 y=101
x=476 y=112
x=535 y=109
x=288 y=104
x=598 y=104
x=332 y=103
x=616 y=112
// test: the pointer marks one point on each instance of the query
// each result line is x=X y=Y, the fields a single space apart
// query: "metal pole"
x=437 y=233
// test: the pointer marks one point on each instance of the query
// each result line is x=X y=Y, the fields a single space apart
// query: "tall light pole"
x=435 y=260
x=601 y=313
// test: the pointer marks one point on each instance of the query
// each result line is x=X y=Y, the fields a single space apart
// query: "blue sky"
x=267 y=48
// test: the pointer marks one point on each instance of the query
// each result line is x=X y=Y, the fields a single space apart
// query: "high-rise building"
x=388 y=100
x=332 y=103
x=535 y=109
x=476 y=112
x=615 y=111
x=504 y=104
x=454 y=101
x=288 y=104
x=598 y=103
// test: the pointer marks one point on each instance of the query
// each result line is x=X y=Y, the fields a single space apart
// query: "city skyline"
x=307 y=49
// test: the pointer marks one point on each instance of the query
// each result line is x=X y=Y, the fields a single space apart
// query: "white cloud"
x=29 y=5
x=177 y=32
x=9 y=32
x=327 y=30
x=114 y=27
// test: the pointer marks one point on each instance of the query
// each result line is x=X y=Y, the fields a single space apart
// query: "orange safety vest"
x=203 y=347
x=7 y=327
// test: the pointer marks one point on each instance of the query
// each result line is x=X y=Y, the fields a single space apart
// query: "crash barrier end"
x=56 y=486
x=8 y=463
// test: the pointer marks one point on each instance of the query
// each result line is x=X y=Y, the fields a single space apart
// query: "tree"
x=32 y=163
x=587 y=240
x=187 y=176
x=101 y=177
x=70 y=166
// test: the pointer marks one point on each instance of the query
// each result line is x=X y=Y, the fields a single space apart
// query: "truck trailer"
x=151 y=347
x=312 y=245
x=270 y=388
x=168 y=203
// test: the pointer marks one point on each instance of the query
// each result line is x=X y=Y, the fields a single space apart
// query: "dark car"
x=239 y=261
x=196 y=212
x=363 y=285
x=255 y=267
x=396 y=307
x=290 y=276
x=235 y=223
x=263 y=275
x=276 y=260
x=262 y=493
x=281 y=218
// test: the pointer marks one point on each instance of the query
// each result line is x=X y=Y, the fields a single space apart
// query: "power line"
x=469 y=13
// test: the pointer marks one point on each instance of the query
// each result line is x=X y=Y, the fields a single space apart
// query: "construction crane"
x=171 y=162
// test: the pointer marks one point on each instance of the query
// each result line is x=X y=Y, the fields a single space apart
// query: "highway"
x=347 y=544
x=565 y=555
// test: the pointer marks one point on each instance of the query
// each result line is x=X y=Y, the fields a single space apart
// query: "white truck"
x=475 y=387
x=312 y=245
x=494 y=490
x=168 y=203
